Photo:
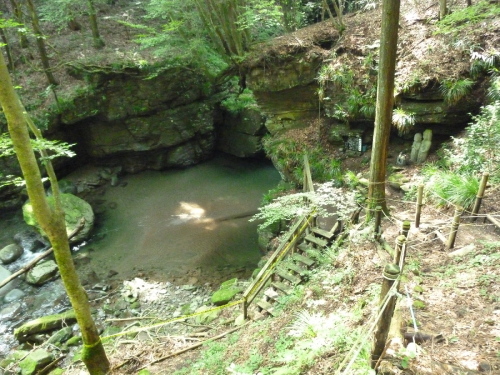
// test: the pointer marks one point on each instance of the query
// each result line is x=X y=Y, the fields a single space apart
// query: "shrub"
x=403 y=121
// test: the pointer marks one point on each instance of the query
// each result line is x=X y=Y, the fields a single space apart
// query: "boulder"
x=13 y=295
x=30 y=240
x=10 y=312
x=226 y=292
x=10 y=253
x=4 y=273
x=61 y=336
x=42 y=272
x=74 y=209
x=35 y=361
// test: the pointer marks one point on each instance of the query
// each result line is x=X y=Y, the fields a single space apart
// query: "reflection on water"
x=179 y=220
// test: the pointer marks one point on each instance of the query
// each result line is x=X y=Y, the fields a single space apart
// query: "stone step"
x=303 y=259
x=266 y=306
x=315 y=240
x=282 y=287
x=323 y=233
x=285 y=275
x=272 y=294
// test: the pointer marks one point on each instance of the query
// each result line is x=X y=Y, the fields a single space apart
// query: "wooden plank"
x=295 y=268
x=323 y=233
x=282 y=286
x=303 y=259
x=266 y=306
x=493 y=221
x=316 y=240
x=285 y=275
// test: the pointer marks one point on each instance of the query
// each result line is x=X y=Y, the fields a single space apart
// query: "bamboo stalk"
x=391 y=273
x=480 y=194
x=420 y=196
x=454 y=228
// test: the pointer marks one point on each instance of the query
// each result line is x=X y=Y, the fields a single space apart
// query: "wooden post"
x=480 y=194
x=405 y=228
x=244 y=307
x=454 y=228
x=400 y=243
x=420 y=196
x=378 y=220
x=391 y=273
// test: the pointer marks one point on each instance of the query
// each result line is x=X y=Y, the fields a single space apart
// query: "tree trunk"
x=52 y=222
x=7 y=49
x=443 y=11
x=98 y=42
x=40 y=43
x=384 y=106
x=19 y=19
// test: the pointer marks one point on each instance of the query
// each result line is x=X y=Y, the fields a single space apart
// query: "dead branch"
x=194 y=346
x=31 y=264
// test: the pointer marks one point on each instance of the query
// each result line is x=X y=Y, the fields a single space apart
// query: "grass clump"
x=455 y=22
x=455 y=89
x=450 y=188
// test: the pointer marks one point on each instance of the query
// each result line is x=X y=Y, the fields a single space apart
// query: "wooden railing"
x=287 y=245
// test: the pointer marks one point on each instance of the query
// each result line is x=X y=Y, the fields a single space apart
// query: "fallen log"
x=31 y=264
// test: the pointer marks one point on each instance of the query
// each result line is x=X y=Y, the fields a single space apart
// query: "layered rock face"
x=140 y=123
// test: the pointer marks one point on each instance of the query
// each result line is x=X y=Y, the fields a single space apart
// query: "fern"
x=454 y=90
x=403 y=121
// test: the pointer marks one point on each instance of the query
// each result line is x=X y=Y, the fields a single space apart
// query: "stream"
x=188 y=226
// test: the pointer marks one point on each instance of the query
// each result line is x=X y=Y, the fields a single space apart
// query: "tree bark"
x=40 y=43
x=19 y=19
x=384 y=106
x=98 y=42
x=52 y=222
x=7 y=49
x=443 y=10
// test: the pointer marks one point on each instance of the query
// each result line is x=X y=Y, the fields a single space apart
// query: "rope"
x=357 y=348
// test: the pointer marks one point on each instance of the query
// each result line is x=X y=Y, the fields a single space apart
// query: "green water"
x=186 y=224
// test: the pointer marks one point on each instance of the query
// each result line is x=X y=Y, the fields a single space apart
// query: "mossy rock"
x=35 y=361
x=223 y=296
x=74 y=209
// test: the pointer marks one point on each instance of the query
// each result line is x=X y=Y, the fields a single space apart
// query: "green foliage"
x=454 y=90
x=478 y=150
x=282 y=188
x=235 y=103
x=262 y=18
x=449 y=188
x=358 y=91
x=402 y=120
x=290 y=206
x=288 y=157
x=486 y=62
x=461 y=18
x=54 y=148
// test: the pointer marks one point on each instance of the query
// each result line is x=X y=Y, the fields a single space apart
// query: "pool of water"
x=175 y=222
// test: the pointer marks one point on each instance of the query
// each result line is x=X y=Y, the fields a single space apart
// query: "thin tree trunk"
x=7 y=49
x=40 y=43
x=384 y=106
x=52 y=223
x=98 y=42
x=18 y=16
x=443 y=10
